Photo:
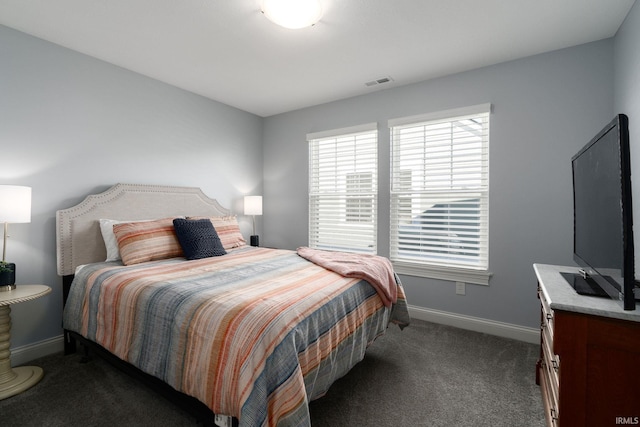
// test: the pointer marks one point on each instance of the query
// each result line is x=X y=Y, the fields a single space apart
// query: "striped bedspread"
x=255 y=334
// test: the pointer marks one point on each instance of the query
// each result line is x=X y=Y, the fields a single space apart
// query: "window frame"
x=479 y=274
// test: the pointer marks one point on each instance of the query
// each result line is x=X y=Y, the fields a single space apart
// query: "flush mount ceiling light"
x=292 y=14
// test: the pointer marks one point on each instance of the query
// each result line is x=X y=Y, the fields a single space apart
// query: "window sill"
x=478 y=277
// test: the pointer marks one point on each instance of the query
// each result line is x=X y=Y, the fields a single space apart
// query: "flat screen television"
x=603 y=220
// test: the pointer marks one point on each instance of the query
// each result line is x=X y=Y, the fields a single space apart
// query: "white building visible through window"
x=439 y=209
x=359 y=200
x=343 y=189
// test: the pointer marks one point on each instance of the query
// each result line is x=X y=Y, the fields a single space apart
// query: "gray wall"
x=71 y=125
x=627 y=101
x=545 y=108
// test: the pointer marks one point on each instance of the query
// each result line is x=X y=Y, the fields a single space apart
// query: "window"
x=343 y=189
x=440 y=194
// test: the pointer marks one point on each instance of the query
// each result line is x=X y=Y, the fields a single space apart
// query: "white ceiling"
x=228 y=51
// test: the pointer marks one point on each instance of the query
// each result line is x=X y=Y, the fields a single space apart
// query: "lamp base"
x=8 y=276
x=254 y=240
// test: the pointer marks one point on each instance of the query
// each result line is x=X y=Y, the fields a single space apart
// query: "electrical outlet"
x=460 y=288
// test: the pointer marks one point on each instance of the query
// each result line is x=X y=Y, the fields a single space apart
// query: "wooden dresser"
x=589 y=366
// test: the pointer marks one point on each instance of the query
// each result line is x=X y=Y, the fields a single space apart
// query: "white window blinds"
x=343 y=183
x=440 y=189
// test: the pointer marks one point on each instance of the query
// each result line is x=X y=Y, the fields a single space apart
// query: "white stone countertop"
x=562 y=296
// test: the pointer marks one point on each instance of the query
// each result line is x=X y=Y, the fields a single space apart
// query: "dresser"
x=589 y=365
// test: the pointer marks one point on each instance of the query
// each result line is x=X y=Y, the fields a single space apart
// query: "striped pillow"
x=228 y=230
x=147 y=241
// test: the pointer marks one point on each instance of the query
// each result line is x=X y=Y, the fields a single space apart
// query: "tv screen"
x=603 y=235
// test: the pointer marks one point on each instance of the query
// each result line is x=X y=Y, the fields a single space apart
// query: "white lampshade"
x=253 y=205
x=293 y=14
x=15 y=204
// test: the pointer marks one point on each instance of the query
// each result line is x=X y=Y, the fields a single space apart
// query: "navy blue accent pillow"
x=198 y=238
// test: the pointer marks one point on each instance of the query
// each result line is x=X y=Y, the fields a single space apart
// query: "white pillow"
x=110 y=242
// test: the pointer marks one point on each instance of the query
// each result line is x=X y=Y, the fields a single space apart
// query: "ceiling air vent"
x=379 y=81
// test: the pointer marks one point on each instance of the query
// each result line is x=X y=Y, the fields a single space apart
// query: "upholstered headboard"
x=78 y=237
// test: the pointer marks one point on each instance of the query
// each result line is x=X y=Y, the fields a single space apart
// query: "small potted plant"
x=7 y=273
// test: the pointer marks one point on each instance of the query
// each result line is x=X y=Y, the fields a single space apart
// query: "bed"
x=239 y=334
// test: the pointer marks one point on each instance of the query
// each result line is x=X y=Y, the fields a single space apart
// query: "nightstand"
x=16 y=380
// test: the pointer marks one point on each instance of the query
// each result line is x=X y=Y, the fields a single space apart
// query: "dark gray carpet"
x=426 y=375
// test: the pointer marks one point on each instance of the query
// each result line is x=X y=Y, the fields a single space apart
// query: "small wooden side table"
x=16 y=380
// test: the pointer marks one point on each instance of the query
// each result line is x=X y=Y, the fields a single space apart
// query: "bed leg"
x=69 y=343
x=85 y=357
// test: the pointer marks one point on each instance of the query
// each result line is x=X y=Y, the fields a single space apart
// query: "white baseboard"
x=27 y=353
x=491 y=327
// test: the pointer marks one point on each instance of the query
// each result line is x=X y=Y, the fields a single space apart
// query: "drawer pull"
x=554 y=364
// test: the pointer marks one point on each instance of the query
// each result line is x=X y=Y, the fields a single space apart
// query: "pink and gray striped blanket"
x=255 y=334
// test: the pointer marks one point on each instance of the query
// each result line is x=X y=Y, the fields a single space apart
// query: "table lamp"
x=15 y=207
x=253 y=207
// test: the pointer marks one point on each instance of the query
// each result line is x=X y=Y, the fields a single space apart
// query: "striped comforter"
x=255 y=334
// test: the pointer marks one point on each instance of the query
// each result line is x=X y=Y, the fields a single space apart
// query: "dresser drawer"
x=547 y=321
x=549 y=362
x=551 y=368
x=550 y=406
